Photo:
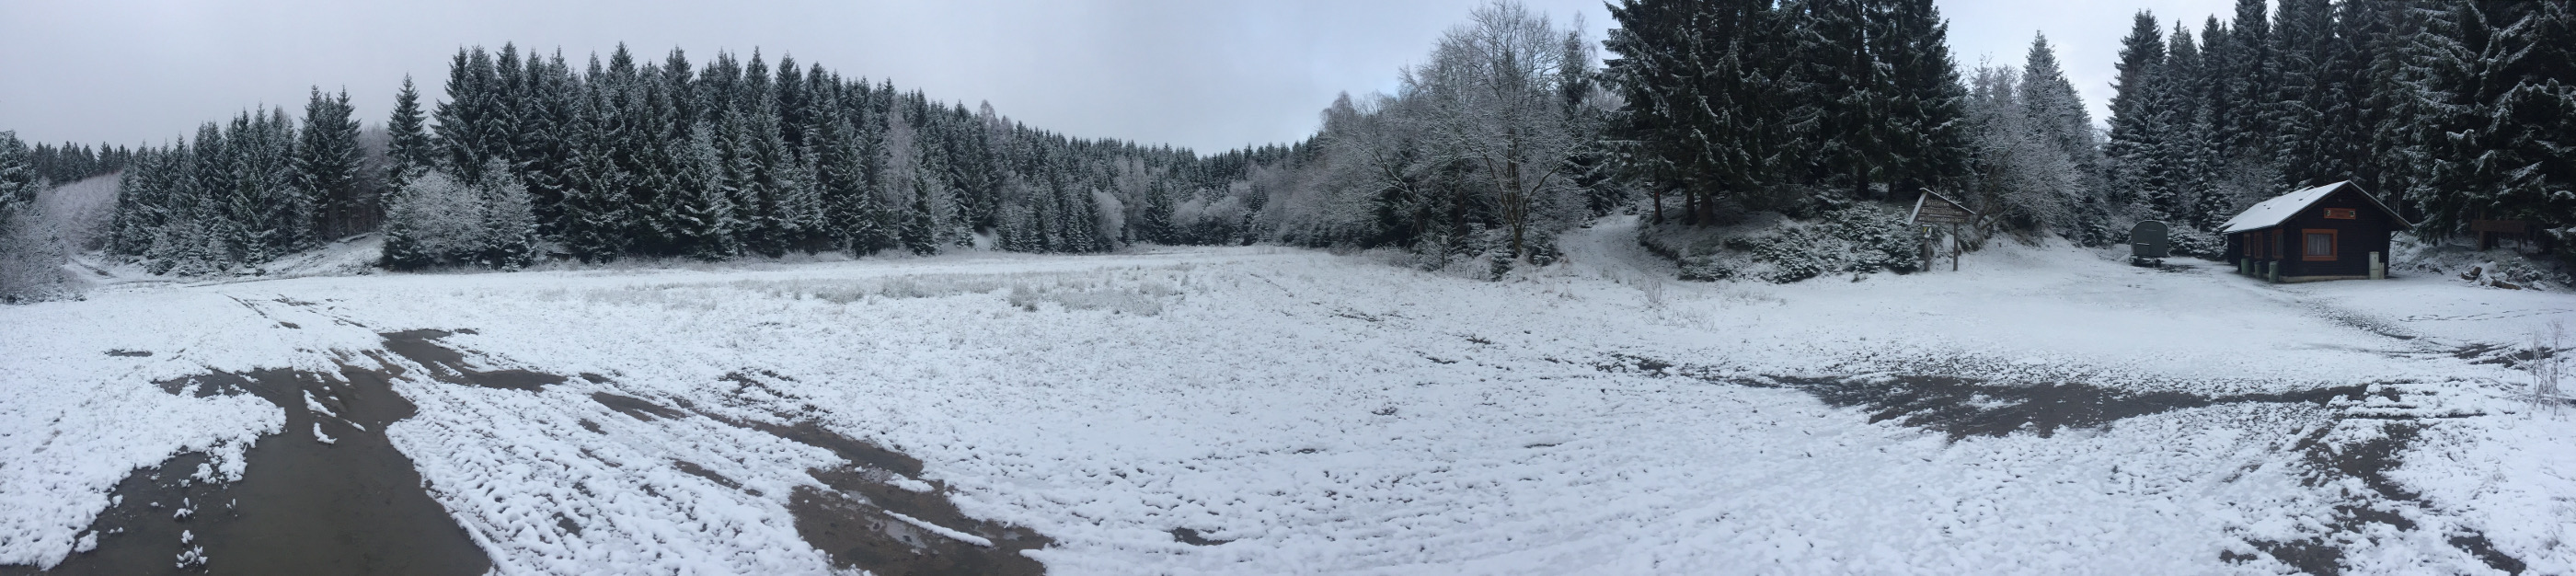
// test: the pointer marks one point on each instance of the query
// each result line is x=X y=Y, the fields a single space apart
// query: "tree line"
x=1506 y=135
x=527 y=158
x=72 y=162
x=2453 y=110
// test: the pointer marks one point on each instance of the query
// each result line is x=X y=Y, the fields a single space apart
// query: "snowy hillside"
x=1263 y=410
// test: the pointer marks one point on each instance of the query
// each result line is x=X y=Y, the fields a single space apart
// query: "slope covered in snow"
x=1264 y=410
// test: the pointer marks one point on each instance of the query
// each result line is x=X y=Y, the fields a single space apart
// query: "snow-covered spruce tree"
x=770 y=229
x=509 y=223
x=2054 y=106
x=2136 y=126
x=545 y=104
x=1837 y=94
x=594 y=222
x=650 y=159
x=1703 y=120
x=1925 y=126
x=853 y=210
x=408 y=148
x=17 y=178
x=473 y=125
x=703 y=222
x=327 y=162
x=2019 y=172
x=2535 y=120
x=2457 y=82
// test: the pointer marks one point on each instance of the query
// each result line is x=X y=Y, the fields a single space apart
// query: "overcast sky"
x=1207 y=75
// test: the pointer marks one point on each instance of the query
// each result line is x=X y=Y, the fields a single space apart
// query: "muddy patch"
x=693 y=469
x=1962 y=406
x=352 y=505
x=1193 y=538
x=639 y=408
x=856 y=451
x=448 y=365
x=2382 y=501
x=124 y=353
x=879 y=516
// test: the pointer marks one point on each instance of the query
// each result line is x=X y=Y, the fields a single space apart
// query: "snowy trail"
x=1262 y=410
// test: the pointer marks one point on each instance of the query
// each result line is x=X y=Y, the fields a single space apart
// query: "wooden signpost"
x=2489 y=231
x=1933 y=208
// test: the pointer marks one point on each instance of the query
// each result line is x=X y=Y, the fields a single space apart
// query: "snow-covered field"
x=1301 y=412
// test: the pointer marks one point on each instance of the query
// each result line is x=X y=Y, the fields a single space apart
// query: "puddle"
x=352 y=506
x=880 y=517
x=448 y=365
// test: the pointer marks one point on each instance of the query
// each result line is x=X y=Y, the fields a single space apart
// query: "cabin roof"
x=2269 y=213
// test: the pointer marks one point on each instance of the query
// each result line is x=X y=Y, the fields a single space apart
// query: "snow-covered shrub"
x=439 y=219
x=1879 y=239
x=32 y=255
x=1857 y=238
x=2189 y=241
x=1703 y=268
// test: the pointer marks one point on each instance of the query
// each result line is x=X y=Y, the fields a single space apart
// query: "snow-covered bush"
x=2189 y=241
x=1858 y=238
x=32 y=254
x=438 y=219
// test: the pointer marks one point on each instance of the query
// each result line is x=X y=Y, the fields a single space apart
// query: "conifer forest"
x=1511 y=131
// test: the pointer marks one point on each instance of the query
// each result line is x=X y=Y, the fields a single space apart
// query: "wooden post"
x=1956 y=245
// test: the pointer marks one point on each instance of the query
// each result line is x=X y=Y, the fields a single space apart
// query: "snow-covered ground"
x=1336 y=414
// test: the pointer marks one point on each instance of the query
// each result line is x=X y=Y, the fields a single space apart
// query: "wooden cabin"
x=2331 y=232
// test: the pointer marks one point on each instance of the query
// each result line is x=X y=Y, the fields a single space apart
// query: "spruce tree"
x=18 y=180
x=2534 y=120
x=327 y=162
x=509 y=223
x=2052 y=102
x=2134 y=139
x=407 y=147
x=594 y=220
x=703 y=222
x=1925 y=127
x=2303 y=57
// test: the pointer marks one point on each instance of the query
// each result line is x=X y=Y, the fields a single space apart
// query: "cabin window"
x=2316 y=244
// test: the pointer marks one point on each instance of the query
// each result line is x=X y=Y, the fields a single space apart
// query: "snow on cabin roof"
x=2269 y=213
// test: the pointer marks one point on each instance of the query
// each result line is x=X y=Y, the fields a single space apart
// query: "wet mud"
x=448 y=365
x=1962 y=407
x=639 y=408
x=1193 y=538
x=351 y=506
x=868 y=519
x=2327 y=463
